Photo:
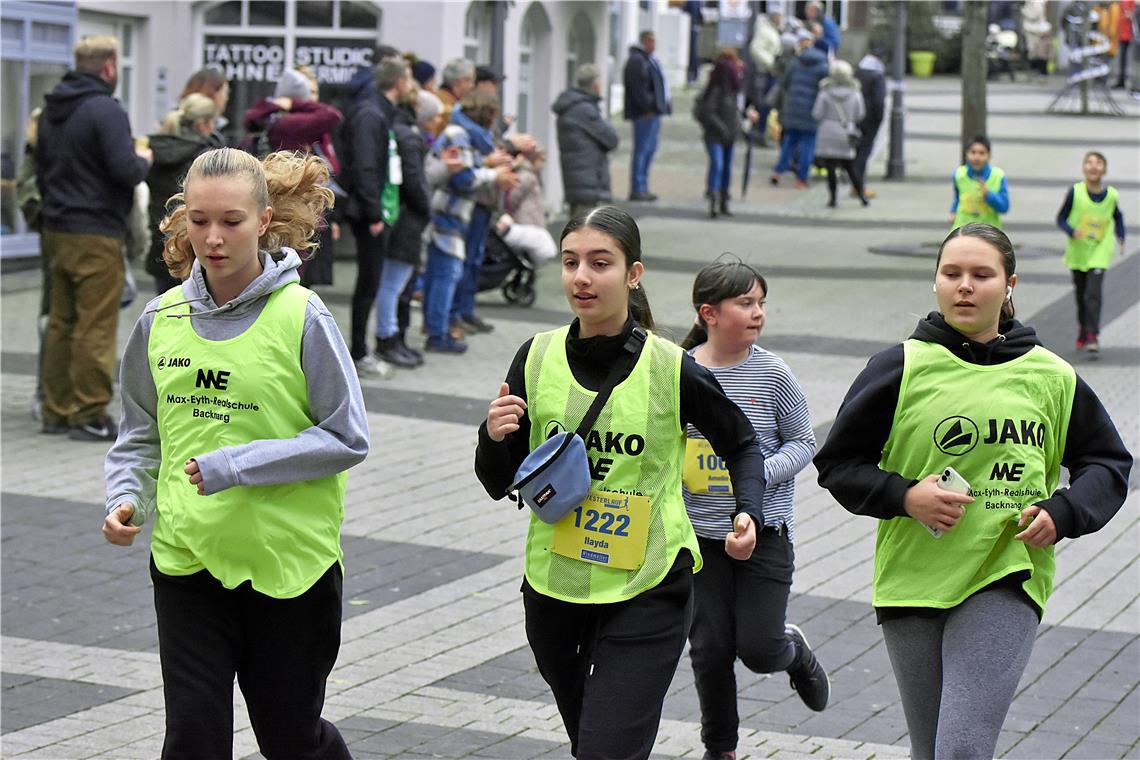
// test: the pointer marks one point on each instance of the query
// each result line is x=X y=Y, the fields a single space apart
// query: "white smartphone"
x=950 y=480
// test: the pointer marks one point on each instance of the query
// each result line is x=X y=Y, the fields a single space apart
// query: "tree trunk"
x=974 y=15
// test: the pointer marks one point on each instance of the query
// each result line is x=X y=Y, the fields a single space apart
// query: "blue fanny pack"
x=555 y=477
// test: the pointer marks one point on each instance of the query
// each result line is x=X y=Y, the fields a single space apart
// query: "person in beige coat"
x=839 y=108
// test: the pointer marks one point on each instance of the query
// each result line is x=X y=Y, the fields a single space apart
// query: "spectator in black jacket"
x=585 y=139
x=873 y=83
x=404 y=247
x=86 y=170
x=646 y=101
x=367 y=161
x=187 y=132
x=717 y=112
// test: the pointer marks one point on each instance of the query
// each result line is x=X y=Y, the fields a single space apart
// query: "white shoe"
x=370 y=366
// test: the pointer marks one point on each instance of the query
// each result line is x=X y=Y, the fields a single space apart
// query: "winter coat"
x=415 y=196
x=524 y=202
x=800 y=87
x=766 y=46
x=873 y=85
x=86 y=167
x=307 y=122
x=366 y=152
x=173 y=155
x=645 y=91
x=715 y=109
x=585 y=139
x=836 y=108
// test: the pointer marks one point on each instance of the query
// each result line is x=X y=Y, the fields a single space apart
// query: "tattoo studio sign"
x=242 y=61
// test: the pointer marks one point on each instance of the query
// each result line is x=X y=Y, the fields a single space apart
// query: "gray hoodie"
x=337 y=440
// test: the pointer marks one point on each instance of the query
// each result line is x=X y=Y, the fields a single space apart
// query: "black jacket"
x=644 y=86
x=873 y=85
x=715 y=110
x=848 y=462
x=86 y=166
x=703 y=404
x=173 y=155
x=585 y=139
x=415 y=196
x=366 y=153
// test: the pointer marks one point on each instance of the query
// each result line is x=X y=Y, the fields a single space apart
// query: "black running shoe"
x=808 y=678
x=99 y=429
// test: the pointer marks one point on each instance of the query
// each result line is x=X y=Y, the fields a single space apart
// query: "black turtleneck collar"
x=1014 y=339
x=591 y=358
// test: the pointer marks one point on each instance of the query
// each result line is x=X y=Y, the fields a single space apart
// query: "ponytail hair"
x=190 y=109
x=618 y=224
x=1000 y=242
x=292 y=183
x=727 y=277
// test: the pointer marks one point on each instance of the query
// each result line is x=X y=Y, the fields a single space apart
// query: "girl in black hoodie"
x=973 y=390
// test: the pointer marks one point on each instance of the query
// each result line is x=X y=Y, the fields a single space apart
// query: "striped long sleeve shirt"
x=764 y=387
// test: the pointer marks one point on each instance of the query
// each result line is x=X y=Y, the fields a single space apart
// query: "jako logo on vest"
x=173 y=361
x=959 y=435
x=956 y=436
x=553 y=428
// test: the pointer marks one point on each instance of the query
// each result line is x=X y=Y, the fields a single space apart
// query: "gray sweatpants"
x=957 y=672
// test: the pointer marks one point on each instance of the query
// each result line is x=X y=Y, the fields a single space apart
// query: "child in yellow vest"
x=241 y=413
x=607 y=627
x=980 y=190
x=1092 y=219
x=973 y=389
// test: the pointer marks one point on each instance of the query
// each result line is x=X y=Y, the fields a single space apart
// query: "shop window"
x=225 y=13
x=266 y=13
x=12 y=31
x=314 y=13
x=49 y=34
x=535 y=28
x=579 y=46
x=357 y=16
x=477 y=32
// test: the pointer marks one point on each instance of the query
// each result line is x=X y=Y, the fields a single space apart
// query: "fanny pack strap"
x=634 y=345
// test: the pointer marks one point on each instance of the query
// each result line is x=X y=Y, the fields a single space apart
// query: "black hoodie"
x=86 y=165
x=173 y=155
x=848 y=462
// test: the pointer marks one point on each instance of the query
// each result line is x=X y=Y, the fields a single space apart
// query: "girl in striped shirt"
x=739 y=606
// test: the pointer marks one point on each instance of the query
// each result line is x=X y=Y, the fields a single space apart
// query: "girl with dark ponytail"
x=607 y=626
x=740 y=606
x=961 y=580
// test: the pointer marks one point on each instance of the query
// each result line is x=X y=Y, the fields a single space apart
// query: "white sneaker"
x=370 y=366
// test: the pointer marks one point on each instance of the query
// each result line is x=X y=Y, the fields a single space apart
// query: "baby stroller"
x=505 y=268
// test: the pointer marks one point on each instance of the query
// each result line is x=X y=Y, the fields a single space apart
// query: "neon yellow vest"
x=972 y=206
x=637 y=446
x=1003 y=427
x=1097 y=220
x=218 y=393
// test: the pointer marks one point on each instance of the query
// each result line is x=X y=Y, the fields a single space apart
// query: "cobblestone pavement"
x=434 y=661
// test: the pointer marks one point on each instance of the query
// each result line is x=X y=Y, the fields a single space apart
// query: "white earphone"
x=934 y=288
x=1009 y=292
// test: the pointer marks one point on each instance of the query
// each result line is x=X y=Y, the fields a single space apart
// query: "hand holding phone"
x=936 y=502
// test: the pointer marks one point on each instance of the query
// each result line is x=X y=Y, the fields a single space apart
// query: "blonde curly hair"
x=292 y=183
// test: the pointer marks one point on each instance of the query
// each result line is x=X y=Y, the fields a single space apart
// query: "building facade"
x=536 y=44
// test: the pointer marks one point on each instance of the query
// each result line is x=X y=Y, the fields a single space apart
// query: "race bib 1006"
x=704 y=471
